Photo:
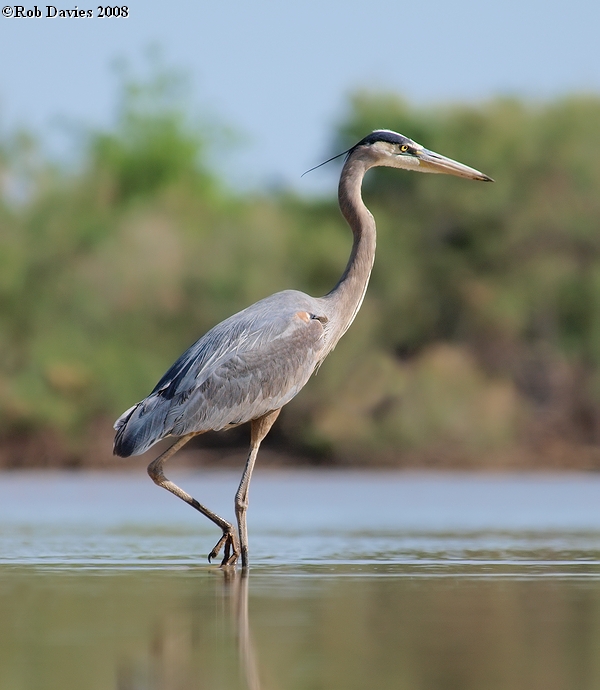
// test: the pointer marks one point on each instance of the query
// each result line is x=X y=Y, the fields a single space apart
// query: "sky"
x=279 y=72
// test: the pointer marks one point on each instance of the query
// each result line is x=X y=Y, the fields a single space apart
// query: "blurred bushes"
x=478 y=342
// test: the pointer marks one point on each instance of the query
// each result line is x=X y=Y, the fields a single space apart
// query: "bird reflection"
x=187 y=647
x=236 y=584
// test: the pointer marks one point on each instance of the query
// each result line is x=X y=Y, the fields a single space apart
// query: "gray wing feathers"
x=254 y=362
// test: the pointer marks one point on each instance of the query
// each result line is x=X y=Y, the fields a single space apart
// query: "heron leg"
x=258 y=430
x=229 y=538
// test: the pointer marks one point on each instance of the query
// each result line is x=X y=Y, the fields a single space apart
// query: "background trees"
x=478 y=343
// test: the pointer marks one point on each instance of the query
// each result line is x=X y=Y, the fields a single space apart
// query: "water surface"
x=358 y=580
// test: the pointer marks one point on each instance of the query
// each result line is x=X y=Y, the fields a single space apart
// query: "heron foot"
x=231 y=550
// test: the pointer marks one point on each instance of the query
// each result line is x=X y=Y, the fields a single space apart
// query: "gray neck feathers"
x=347 y=296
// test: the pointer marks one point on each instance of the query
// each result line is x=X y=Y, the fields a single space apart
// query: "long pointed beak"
x=434 y=163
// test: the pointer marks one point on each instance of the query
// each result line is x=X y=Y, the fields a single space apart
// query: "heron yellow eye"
x=403 y=148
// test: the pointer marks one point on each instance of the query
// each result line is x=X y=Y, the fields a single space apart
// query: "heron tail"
x=139 y=428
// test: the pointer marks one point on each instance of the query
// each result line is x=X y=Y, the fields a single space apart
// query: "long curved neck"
x=347 y=296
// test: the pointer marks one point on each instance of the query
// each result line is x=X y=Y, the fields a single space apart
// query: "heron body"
x=249 y=366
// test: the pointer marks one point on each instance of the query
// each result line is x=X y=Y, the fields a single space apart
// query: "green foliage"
x=481 y=325
x=519 y=252
x=152 y=147
x=509 y=273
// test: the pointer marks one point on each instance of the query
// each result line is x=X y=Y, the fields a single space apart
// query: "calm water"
x=428 y=582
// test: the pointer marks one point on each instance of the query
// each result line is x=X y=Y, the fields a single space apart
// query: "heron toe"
x=231 y=550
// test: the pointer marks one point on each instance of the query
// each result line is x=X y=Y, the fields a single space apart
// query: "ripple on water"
x=354 y=523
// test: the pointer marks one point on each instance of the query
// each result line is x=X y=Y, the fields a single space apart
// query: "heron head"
x=386 y=148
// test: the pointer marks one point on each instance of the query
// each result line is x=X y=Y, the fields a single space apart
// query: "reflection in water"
x=323 y=628
x=439 y=584
x=238 y=581
x=173 y=638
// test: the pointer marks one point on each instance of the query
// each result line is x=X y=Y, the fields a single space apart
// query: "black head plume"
x=328 y=161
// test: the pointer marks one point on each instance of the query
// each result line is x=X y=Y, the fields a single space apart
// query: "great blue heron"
x=249 y=366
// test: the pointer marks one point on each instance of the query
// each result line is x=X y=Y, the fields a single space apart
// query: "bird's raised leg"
x=258 y=430
x=229 y=538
